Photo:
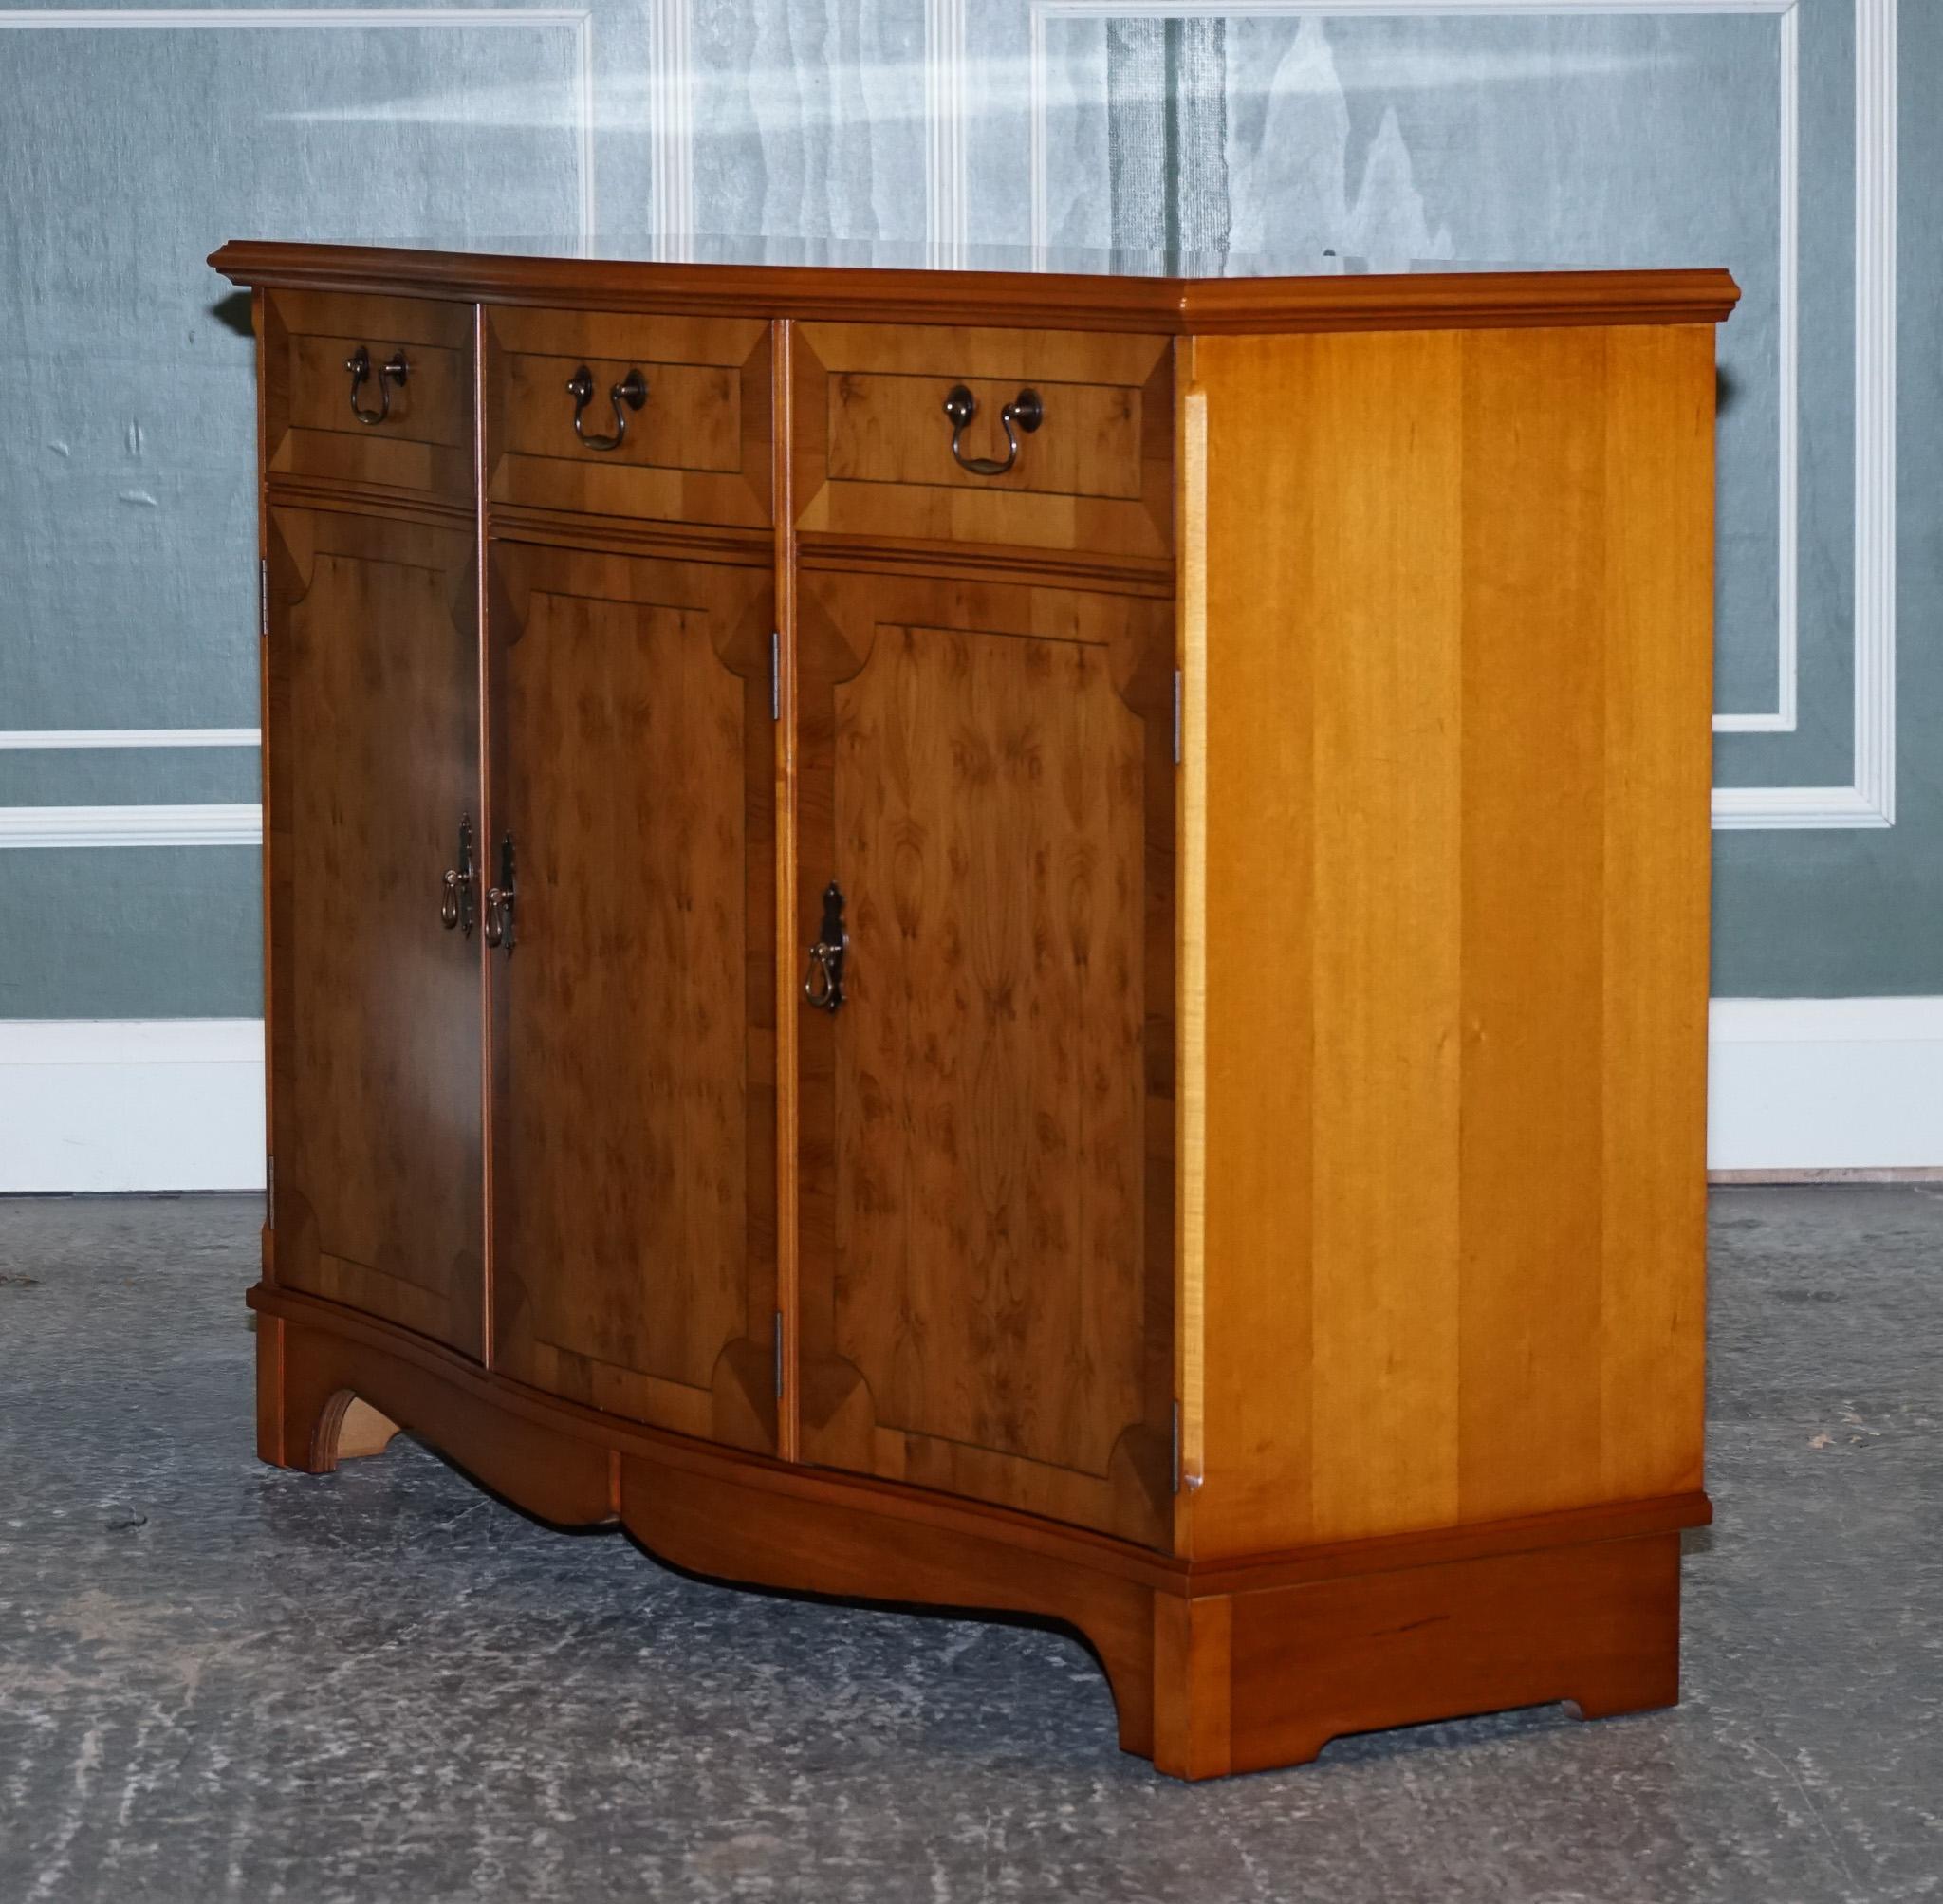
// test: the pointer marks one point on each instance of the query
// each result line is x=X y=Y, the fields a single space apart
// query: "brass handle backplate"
x=1025 y=412
x=822 y=984
x=499 y=900
x=458 y=885
x=358 y=364
x=632 y=391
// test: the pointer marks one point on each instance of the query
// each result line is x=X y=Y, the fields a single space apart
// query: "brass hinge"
x=263 y=595
x=779 y=1354
x=1177 y=717
x=270 y=1193
x=1174 y=1459
x=775 y=675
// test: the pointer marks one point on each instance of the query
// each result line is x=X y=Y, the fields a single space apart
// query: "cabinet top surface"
x=1060 y=287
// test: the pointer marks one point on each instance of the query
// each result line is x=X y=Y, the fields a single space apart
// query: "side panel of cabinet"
x=634 y=1179
x=372 y=675
x=986 y=1149
x=1457 y=711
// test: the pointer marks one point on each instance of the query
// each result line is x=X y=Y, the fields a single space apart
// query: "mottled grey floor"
x=217 y=1681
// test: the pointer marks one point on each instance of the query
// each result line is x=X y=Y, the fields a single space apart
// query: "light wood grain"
x=1191 y=937
x=1259 y=833
x=1658 y=845
x=1458 y=746
x=788 y=1091
x=365 y=1431
x=1387 y=816
x=1534 y=891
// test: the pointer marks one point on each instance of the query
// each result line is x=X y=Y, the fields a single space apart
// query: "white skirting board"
x=1825 y=1084
x=100 y=1104
x=119 y=1104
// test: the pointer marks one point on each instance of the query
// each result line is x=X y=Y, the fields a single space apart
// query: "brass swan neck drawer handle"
x=457 y=888
x=1024 y=411
x=632 y=390
x=358 y=364
x=822 y=986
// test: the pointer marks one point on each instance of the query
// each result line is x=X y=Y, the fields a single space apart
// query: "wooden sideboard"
x=1026 y=941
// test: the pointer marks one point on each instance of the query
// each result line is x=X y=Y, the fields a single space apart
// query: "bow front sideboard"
x=1017 y=941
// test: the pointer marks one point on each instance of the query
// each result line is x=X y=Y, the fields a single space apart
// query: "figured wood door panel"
x=985 y=1194
x=633 y=1129
x=375 y=1006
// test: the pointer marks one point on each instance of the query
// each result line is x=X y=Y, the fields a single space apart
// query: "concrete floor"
x=218 y=1681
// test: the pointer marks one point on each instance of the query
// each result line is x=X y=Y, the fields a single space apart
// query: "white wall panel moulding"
x=1826 y=1084
x=90 y=740
x=948 y=209
x=67 y=827
x=131 y=1104
x=671 y=122
x=190 y=19
x=1870 y=802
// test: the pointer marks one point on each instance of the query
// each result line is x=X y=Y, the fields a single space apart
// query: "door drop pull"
x=457 y=888
x=499 y=900
x=822 y=984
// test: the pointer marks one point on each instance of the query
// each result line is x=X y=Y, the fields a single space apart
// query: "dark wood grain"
x=985 y=1140
x=372 y=675
x=634 y=1110
x=1371 y=301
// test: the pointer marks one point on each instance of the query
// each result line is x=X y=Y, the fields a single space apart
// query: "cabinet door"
x=373 y=676
x=987 y=1124
x=633 y=1176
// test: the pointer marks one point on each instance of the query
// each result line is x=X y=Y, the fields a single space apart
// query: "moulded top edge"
x=1060 y=289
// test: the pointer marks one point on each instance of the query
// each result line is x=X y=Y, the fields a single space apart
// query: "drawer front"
x=403 y=420
x=1094 y=469
x=695 y=448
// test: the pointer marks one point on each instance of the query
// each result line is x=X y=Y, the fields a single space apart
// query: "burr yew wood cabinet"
x=1030 y=941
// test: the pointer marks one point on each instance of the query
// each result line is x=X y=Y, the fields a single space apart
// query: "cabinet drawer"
x=694 y=448
x=403 y=420
x=1092 y=470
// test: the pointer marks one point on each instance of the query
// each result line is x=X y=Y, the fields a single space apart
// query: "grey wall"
x=126 y=154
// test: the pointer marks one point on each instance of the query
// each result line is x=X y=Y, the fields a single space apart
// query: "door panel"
x=375 y=1006
x=986 y=1270
x=633 y=1131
